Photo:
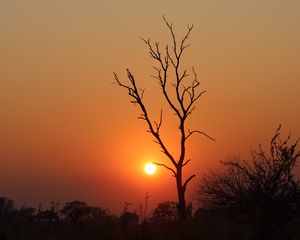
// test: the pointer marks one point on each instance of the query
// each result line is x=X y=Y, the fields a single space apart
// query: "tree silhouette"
x=128 y=219
x=180 y=94
x=26 y=214
x=76 y=211
x=97 y=212
x=165 y=212
x=6 y=208
x=49 y=215
x=264 y=189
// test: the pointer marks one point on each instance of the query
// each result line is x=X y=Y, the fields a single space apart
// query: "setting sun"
x=150 y=168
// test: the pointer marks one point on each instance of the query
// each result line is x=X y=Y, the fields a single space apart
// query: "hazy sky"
x=67 y=132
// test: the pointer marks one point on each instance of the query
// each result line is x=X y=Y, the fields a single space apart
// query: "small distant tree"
x=76 y=211
x=49 y=215
x=7 y=208
x=181 y=95
x=262 y=191
x=97 y=212
x=165 y=212
x=26 y=214
x=129 y=218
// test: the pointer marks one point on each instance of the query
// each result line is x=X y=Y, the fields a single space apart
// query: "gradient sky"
x=67 y=132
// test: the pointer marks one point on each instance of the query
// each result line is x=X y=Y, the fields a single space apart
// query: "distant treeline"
x=76 y=220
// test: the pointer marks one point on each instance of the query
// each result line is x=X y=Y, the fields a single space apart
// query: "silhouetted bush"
x=262 y=192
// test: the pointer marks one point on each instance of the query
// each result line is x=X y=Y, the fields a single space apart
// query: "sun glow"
x=150 y=168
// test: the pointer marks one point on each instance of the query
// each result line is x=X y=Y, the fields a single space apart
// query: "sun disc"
x=150 y=168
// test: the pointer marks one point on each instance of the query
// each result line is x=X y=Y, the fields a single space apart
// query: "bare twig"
x=202 y=133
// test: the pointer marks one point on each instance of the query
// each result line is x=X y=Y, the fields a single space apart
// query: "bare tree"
x=262 y=191
x=185 y=88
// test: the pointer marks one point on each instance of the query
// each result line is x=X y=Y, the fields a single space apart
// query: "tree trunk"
x=181 y=196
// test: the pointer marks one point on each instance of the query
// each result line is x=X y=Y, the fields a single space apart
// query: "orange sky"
x=66 y=132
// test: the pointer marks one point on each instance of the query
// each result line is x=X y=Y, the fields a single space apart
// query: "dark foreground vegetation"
x=256 y=199
x=88 y=223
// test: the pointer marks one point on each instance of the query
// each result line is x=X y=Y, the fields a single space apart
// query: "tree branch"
x=165 y=166
x=186 y=162
x=187 y=181
x=134 y=92
x=158 y=125
x=203 y=133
